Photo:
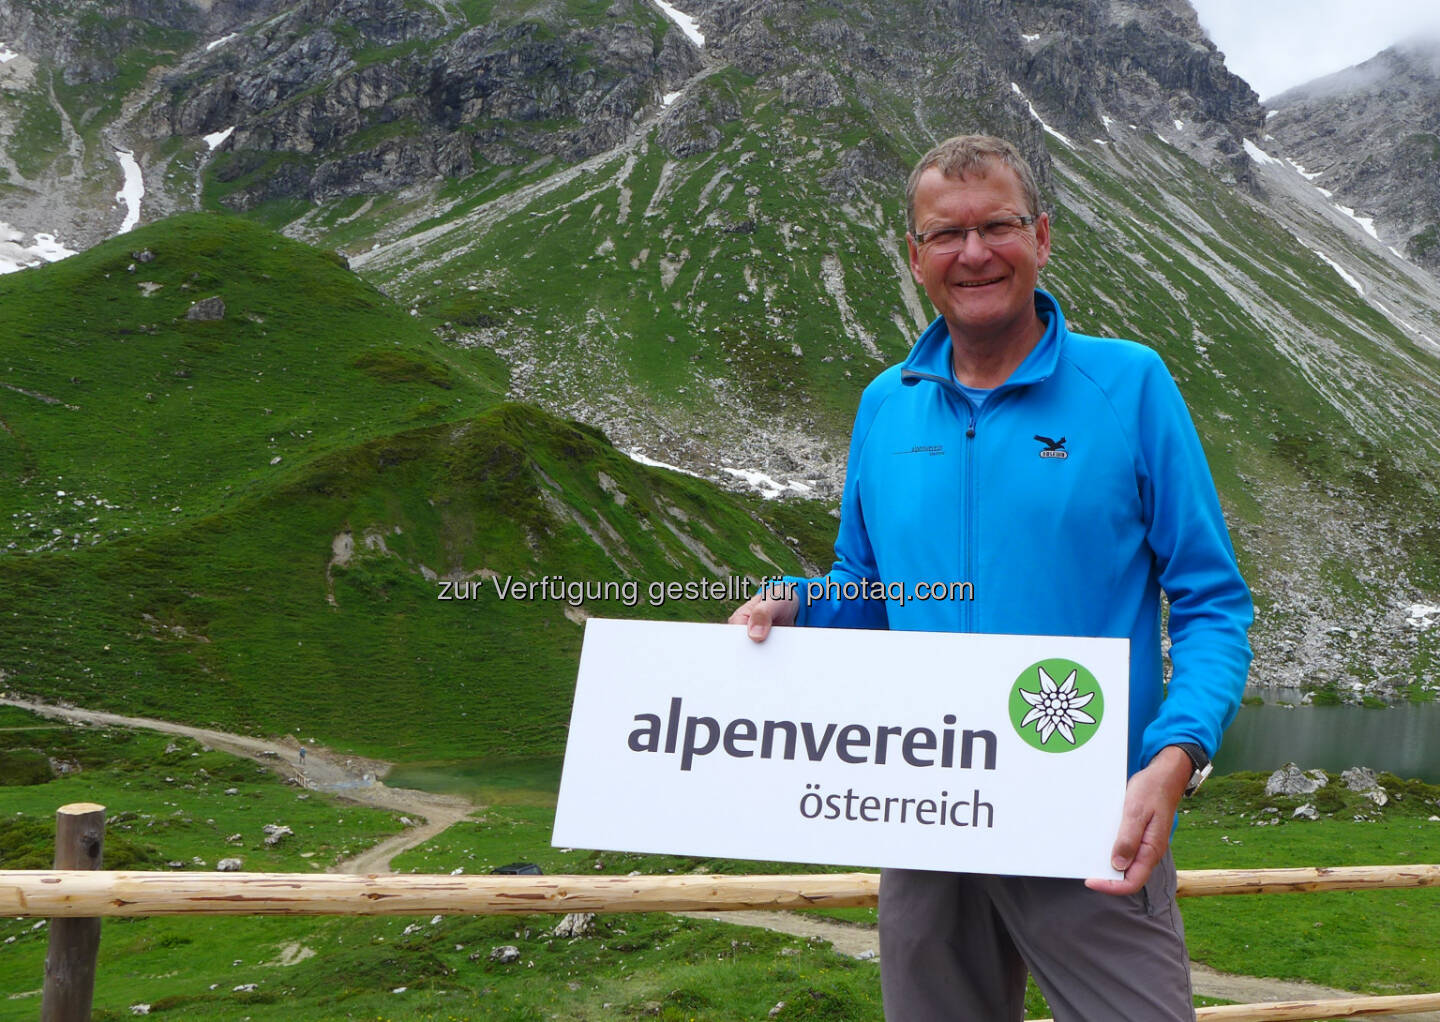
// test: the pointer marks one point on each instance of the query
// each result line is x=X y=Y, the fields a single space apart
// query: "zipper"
x=967 y=612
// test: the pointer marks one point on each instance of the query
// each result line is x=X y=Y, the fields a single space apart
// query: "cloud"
x=1282 y=43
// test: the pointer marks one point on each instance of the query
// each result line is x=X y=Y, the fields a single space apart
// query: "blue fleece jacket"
x=1076 y=493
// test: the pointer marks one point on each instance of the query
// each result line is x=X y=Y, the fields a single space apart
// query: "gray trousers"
x=956 y=947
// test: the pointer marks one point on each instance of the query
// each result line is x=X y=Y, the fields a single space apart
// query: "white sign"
x=922 y=750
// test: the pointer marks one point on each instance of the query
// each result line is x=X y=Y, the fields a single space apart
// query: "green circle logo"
x=1056 y=705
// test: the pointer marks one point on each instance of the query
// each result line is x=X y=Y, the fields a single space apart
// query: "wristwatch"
x=1200 y=761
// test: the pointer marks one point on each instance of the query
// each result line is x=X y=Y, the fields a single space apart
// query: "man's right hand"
x=763 y=610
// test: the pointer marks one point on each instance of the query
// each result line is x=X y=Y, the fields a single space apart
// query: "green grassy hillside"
x=311 y=594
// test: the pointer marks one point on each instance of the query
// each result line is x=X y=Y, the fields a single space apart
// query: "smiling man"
x=1060 y=478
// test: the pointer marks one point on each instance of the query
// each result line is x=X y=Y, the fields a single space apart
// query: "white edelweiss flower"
x=1056 y=708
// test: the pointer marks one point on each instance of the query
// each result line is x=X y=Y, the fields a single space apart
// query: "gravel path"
x=353 y=778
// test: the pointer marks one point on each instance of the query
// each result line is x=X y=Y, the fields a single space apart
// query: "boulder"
x=1360 y=779
x=229 y=865
x=575 y=924
x=207 y=310
x=275 y=833
x=505 y=954
x=1291 y=780
x=1305 y=812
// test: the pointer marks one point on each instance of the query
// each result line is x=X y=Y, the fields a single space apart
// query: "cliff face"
x=1372 y=135
x=330 y=98
x=341 y=97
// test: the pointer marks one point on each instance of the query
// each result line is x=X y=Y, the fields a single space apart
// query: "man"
x=1061 y=476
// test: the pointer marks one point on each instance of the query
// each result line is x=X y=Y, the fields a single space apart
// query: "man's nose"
x=974 y=248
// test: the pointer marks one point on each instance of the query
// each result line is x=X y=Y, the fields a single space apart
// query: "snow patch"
x=1260 y=155
x=1107 y=121
x=1036 y=114
x=7 y=54
x=1368 y=223
x=219 y=42
x=1270 y=113
x=669 y=98
x=636 y=455
x=688 y=25
x=217 y=138
x=769 y=487
x=1347 y=278
x=1179 y=125
x=132 y=191
x=1029 y=37
x=16 y=255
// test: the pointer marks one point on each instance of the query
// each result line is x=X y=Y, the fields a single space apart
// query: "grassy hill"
x=308 y=594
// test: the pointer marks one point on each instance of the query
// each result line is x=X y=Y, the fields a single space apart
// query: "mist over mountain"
x=686 y=232
x=1371 y=135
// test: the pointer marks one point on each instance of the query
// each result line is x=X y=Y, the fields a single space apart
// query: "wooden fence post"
x=74 y=943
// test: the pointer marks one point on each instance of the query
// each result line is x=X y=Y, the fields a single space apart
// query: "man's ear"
x=1042 y=239
x=915 y=257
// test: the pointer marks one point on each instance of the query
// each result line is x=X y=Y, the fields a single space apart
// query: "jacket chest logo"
x=1053 y=448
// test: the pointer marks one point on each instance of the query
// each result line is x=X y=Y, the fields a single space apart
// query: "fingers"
x=1144 y=835
x=761 y=612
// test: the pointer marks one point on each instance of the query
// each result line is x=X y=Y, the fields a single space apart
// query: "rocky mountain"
x=1371 y=135
x=686 y=230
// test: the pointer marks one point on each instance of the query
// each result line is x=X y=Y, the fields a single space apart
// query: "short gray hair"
x=971 y=154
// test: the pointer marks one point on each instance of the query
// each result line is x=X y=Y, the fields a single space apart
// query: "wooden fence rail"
x=87 y=893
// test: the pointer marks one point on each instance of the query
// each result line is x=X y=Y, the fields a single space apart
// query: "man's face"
x=985 y=292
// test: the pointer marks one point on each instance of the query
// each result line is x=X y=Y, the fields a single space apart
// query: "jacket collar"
x=930 y=358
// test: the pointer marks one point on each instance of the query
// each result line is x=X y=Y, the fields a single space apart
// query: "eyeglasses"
x=944 y=240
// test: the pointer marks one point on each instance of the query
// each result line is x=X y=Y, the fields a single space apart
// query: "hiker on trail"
x=1078 y=535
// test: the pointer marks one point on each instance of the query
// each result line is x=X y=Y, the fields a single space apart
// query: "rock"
x=575 y=924
x=207 y=310
x=63 y=767
x=1378 y=796
x=245 y=988
x=232 y=791
x=143 y=256
x=1291 y=780
x=139 y=1009
x=1360 y=779
x=229 y=865
x=275 y=833
x=811 y=88
x=505 y=954
x=779 y=1007
x=866 y=955
x=1305 y=812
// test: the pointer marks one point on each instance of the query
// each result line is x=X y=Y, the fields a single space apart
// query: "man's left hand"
x=1151 y=798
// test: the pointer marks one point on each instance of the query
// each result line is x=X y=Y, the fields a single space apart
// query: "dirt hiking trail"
x=350 y=777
